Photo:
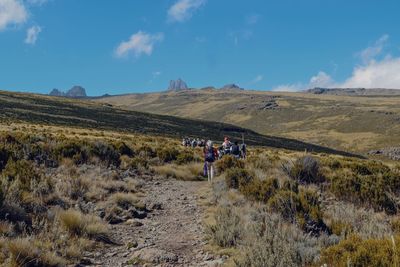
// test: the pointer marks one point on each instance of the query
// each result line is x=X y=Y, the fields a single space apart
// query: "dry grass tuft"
x=81 y=225
x=189 y=172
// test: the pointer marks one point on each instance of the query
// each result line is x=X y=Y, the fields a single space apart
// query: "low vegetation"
x=60 y=191
x=307 y=210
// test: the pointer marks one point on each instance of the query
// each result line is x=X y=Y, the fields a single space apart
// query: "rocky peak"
x=56 y=92
x=177 y=85
x=74 y=92
x=231 y=86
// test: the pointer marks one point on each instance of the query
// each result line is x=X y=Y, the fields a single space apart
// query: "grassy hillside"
x=79 y=113
x=352 y=123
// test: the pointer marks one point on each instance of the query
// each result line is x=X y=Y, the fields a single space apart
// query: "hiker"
x=194 y=144
x=235 y=150
x=210 y=154
x=243 y=150
x=226 y=145
x=184 y=141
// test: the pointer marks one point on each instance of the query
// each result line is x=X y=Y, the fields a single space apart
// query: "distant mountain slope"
x=354 y=91
x=87 y=114
x=350 y=123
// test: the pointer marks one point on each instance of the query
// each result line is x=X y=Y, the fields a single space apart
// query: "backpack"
x=235 y=150
x=210 y=156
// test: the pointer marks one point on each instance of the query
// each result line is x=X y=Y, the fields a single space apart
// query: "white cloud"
x=258 y=79
x=372 y=73
x=288 y=88
x=12 y=12
x=321 y=80
x=138 y=44
x=374 y=50
x=375 y=74
x=37 y=2
x=183 y=10
x=252 y=19
x=32 y=34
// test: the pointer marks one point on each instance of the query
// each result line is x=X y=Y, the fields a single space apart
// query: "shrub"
x=227 y=230
x=146 y=151
x=302 y=208
x=378 y=189
x=167 y=154
x=106 y=153
x=185 y=157
x=272 y=243
x=261 y=190
x=123 y=149
x=286 y=203
x=355 y=251
x=3 y=158
x=238 y=178
x=21 y=172
x=228 y=162
x=306 y=170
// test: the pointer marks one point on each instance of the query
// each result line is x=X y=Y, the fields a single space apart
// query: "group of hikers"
x=193 y=142
x=211 y=153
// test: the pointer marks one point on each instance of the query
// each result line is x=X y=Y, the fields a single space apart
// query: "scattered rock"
x=389 y=152
x=155 y=255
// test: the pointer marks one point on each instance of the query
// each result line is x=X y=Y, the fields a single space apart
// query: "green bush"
x=306 y=170
x=355 y=251
x=261 y=190
x=106 y=153
x=376 y=189
x=238 y=178
x=302 y=208
x=167 y=154
x=228 y=162
x=22 y=172
x=227 y=230
x=123 y=149
x=146 y=151
x=185 y=157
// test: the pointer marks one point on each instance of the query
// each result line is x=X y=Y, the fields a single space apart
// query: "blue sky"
x=128 y=46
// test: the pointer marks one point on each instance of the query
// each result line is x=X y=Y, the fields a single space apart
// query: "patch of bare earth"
x=172 y=234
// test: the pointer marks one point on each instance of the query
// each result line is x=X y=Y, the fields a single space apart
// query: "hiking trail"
x=171 y=235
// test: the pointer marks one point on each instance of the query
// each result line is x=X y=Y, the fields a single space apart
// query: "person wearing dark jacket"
x=210 y=155
x=235 y=150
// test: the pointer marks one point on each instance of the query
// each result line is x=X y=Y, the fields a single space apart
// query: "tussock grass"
x=81 y=225
x=189 y=172
x=24 y=252
x=127 y=200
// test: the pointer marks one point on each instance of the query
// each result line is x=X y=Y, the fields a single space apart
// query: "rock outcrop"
x=56 y=92
x=392 y=153
x=231 y=86
x=74 y=92
x=177 y=85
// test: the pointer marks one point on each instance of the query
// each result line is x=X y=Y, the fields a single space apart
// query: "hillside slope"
x=352 y=123
x=79 y=113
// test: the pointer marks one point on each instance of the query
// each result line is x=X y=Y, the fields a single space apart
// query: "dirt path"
x=171 y=235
